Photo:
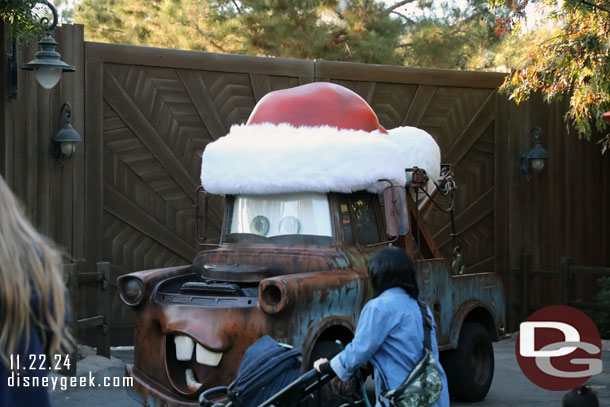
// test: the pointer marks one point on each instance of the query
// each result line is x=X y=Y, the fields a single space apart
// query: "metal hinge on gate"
x=93 y=279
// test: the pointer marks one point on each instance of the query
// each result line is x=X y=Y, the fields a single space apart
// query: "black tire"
x=470 y=367
x=322 y=349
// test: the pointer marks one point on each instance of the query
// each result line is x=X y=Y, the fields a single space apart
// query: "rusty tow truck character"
x=313 y=187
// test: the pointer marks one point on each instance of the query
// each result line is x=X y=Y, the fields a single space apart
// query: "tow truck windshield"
x=299 y=218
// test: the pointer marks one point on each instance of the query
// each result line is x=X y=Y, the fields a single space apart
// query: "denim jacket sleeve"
x=373 y=327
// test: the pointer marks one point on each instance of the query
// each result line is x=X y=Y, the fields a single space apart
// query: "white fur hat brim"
x=272 y=159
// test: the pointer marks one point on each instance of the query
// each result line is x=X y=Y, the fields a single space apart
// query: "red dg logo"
x=559 y=348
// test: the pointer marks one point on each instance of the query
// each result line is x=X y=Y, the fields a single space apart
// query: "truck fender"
x=475 y=311
x=279 y=293
x=330 y=328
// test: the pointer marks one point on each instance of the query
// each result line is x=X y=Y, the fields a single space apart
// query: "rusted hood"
x=255 y=263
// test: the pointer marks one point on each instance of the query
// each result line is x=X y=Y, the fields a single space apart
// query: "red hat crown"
x=314 y=105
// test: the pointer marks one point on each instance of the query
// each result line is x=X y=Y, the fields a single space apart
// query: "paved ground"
x=510 y=387
x=98 y=367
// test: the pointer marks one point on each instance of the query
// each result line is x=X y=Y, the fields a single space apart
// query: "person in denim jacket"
x=390 y=333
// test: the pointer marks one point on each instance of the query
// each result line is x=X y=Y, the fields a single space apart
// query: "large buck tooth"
x=184 y=347
x=207 y=357
x=191 y=382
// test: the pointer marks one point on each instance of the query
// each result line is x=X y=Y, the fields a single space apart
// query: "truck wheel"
x=322 y=349
x=470 y=367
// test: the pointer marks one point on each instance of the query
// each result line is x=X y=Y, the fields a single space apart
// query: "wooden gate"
x=150 y=113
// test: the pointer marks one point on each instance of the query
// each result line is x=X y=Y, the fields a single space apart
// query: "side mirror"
x=396 y=213
x=208 y=217
x=201 y=214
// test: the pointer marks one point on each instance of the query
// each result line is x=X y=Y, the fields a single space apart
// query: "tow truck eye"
x=132 y=292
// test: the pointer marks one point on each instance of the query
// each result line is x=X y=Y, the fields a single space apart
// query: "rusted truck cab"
x=293 y=266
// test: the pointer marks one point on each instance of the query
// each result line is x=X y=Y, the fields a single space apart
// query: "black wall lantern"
x=47 y=65
x=64 y=143
x=537 y=155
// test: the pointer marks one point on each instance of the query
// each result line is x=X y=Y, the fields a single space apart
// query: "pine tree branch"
x=397 y=5
x=236 y=6
x=407 y=19
x=211 y=41
x=200 y=31
x=595 y=5
x=459 y=26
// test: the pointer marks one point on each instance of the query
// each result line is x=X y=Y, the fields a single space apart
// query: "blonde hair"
x=29 y=263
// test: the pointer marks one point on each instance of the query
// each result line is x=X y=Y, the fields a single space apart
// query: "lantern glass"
x=48 y=77
x=537 y=164
x=68 y=148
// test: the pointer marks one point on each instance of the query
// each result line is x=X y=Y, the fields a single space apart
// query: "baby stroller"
x=269 y=375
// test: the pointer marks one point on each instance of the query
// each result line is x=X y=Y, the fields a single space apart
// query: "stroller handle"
x=214 y=391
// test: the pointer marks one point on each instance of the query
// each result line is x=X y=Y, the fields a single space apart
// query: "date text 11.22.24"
x=40 y=362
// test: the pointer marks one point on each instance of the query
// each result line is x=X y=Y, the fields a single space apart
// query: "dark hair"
x=580 y=397
x=392 y=267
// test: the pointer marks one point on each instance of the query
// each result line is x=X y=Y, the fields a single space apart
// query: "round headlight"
x=132 y=291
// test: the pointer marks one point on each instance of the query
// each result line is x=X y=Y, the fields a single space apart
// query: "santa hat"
x=318 y=137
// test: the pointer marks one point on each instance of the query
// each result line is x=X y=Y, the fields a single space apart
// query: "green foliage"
x=575 y=63
x=355 y=30
x=441 y=34
x=23 y=20
x=513 y=50
x=462 y=38
x=369 y=31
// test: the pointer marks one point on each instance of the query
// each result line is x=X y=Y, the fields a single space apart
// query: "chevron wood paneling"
x=133 y=172
x=449 y=112
x=391 y=102
x=126 y=245
x=461 y=122
x=474 y=205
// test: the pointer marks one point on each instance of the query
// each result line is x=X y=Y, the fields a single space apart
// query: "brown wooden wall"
x=52 y=194
x=145 y=114
x=562 y=212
